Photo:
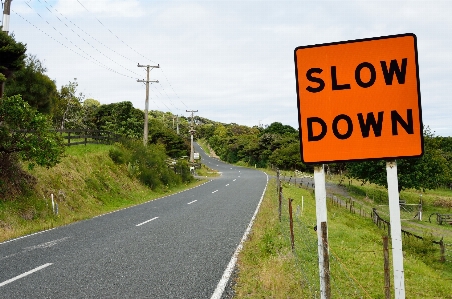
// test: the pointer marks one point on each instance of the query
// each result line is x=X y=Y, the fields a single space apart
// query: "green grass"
x=205 y=171
x=205 y=146
x=86 y=183
x=433 y=201
x=268 y=268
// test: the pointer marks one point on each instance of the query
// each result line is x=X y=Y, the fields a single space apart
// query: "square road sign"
x=359 y=100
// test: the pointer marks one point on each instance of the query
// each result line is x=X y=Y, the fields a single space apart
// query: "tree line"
x=278 y=146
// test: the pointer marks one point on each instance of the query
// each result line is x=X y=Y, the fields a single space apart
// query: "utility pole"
x=5 y=28
x=146 y=130
x=192 y=131
x=6 y=14
x=177 y=123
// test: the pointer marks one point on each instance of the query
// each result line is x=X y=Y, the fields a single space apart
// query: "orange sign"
x=359 y=100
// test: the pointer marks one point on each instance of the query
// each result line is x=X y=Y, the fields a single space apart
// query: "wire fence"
x=342 y=282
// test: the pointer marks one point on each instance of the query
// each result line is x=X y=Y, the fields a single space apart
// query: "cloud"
x=182 y=15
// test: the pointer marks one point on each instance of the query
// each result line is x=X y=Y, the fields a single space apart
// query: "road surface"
x=175 y=247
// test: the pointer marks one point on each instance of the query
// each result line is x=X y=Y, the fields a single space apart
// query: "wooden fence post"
x=326 y=260
x=386 y=268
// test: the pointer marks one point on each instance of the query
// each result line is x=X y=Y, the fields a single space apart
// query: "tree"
x=12 y=55
x=36 y=88
x=279 y=128
x=120 y=118
x=67 y=109
x=27 y=134
x=89 y=109
x=428 y=172
x=174 y=145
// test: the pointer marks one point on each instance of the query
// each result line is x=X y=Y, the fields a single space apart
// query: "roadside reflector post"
x=322 y=231
x=396 y=229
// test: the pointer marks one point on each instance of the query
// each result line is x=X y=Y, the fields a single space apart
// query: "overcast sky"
x=233 y=61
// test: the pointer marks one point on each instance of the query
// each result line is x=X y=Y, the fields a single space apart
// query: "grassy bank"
x=86 y=183
x=269 y=269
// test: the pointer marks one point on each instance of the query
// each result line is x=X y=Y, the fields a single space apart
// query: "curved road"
x=175 y=247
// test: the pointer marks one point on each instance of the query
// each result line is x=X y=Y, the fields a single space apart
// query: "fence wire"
x=343 y=284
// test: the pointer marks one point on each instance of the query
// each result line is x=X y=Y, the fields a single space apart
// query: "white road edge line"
x=192 y=202
x=146 y=221
x=24 y=274
x=228 y=271
x=101 y=215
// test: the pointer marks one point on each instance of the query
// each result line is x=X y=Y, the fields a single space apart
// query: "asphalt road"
x=175 y=247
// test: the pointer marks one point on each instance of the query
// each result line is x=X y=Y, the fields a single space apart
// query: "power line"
x=116 y=35
x=88 y=55
x=123 y=67
x=169 y=83
x=77 y=49
x=125 y=57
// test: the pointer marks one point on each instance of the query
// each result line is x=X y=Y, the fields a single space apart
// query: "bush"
x=425 y=248
x=148 y=164
x=116 y=155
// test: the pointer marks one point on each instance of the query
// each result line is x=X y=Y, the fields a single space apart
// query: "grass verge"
x=86 y=183
x=267 y=267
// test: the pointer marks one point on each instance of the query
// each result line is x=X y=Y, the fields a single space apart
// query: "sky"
x=233 y=61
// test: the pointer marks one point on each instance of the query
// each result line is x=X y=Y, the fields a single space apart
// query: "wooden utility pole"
x=192 y=131
x=146 y=130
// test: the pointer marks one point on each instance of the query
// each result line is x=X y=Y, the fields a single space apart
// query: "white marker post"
x=396 y=229
x=322 y=232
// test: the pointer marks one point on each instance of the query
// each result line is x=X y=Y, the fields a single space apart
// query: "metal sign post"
x=396 y=229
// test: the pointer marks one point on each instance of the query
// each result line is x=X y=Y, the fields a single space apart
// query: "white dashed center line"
x=191 y=202
x=214 y=191
x=147 y=221
x=25 y=274
x=227 y=185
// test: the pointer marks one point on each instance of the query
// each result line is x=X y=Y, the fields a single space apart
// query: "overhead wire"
x=78 y=27
x=114 y=61
x=116 y=35
x=141 y=55
x=82 y=53
x=85 y=56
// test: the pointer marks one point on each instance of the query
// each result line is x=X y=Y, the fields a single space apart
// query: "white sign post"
x=396 y=229
x=322 y=231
